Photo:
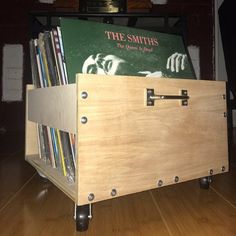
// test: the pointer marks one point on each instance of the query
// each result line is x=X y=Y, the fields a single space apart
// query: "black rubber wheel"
x=43 y=177
x=82 y=220
x=205 y=182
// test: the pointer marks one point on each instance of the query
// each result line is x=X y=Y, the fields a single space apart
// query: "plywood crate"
x=128 y=145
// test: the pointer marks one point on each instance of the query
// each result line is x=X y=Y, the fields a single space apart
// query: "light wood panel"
x=54 y=106
x=189 y=210
x=128 y=146
x=126 y=142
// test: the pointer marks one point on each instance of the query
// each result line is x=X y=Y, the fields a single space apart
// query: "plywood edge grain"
x=31 y=142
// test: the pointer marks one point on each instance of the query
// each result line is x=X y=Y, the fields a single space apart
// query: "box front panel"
x=126 y=146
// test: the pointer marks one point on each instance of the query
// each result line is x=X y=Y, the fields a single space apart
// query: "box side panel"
x=36 y=103
x=54 y=107
x=128 y=146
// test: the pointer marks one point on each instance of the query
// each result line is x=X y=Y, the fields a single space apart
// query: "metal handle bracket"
x=151 y=97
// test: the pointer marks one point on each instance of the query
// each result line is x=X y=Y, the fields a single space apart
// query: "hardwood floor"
x=30 y=206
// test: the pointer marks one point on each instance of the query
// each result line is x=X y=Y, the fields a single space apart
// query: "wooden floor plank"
x=224 y=186
x=34 y=211
x=189 y=210
x=41 y=209
x=130 y=215
x=15 y=172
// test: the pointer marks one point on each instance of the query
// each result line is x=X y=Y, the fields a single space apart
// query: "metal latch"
x=151 y=97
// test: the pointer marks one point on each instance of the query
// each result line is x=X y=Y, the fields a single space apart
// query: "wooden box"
x=133 y=133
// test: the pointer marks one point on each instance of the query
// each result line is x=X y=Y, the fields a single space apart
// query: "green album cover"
x=99 y=48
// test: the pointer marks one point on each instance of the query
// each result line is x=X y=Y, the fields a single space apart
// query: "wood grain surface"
x=128 y=146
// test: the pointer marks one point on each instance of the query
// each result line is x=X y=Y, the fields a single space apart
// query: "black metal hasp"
x=151 y=97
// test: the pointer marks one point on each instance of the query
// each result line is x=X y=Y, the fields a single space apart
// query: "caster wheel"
x=205 y=182
x=44 y=178
x=82 y=218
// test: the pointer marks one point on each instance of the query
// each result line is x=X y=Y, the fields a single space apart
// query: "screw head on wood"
x=223 y=168
x=113 y=192
x=91 y=197
x=211 y=171
x=84 y=95
x=83 y=119
x=176 y=179
x=160 y=183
